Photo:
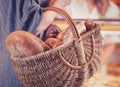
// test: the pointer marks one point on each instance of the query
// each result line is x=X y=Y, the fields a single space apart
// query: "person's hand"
x=49 y=16
x=47 y=19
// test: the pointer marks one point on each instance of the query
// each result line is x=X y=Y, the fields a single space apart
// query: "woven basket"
x=68 y=65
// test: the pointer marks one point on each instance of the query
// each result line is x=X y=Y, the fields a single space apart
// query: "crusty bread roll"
x=22 y=44
x=53 y=42
x=68 y=36
x=89 y=24
x=60 y=35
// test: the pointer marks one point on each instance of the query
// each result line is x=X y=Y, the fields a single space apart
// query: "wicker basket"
x=68 y=65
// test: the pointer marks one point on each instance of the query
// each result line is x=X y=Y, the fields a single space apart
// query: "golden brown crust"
x=22 y=43
x=53 y=42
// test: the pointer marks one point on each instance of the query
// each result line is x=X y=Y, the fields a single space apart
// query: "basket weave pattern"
x=47 y=70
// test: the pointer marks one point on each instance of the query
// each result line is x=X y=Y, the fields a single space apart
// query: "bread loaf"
x=68 y=34
x=89 y=24
x=60 y=35
x=22 y=44
x=53 y=42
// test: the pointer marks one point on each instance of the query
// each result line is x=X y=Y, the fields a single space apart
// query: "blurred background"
x=107 y=14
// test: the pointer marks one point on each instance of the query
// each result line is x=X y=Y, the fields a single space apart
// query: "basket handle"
x=75 y=36
x=80 y=66
x=67 y=18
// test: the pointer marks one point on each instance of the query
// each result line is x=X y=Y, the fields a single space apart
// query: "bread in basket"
x=68 y=65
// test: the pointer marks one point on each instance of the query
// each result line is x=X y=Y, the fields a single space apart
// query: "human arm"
x=49 y=16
